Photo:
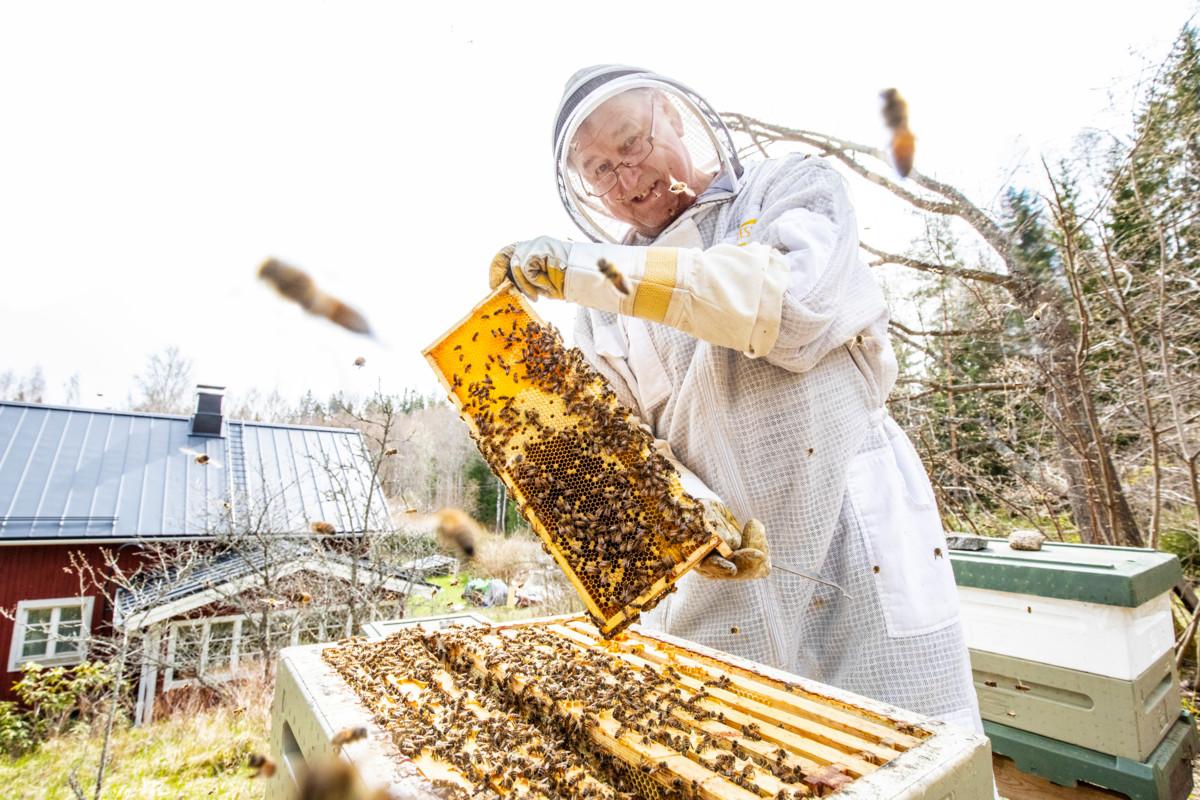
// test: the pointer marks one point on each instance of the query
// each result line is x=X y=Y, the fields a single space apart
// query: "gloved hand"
x=537 y=267
x=727 y=295
x=750 y=558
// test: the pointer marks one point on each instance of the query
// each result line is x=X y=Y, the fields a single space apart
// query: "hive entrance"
x=607 y=507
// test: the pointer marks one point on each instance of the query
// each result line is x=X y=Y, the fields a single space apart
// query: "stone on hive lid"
x=966 y=541
x=1026 y=540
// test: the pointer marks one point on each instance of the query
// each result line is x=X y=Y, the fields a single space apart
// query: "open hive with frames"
x=550 y=708
x=608 y=508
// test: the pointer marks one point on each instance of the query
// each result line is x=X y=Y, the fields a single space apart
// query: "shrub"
x=15 y=734
x=53 y=695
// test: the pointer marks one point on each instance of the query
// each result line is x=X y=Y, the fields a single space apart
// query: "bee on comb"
x=904 y=144
x=296 y=285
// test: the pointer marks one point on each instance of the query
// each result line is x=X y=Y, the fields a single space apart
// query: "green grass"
x=449 y=595
x=191 y=755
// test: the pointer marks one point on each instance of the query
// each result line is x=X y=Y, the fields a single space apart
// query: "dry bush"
x=510 y=557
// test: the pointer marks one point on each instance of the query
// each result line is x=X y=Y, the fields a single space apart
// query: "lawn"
x=449 y=596
x=195 y=755
x=449 y=600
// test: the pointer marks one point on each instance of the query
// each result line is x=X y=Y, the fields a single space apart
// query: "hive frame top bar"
x=947 y=760
x=505 y=288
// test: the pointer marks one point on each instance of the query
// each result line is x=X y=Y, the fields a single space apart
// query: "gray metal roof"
x=160 y=588
x=81 y=474
x=163 y=587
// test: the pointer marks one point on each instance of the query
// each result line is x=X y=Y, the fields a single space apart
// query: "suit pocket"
x=902 y=533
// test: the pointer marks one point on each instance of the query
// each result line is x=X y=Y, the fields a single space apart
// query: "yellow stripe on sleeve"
x=654 y=292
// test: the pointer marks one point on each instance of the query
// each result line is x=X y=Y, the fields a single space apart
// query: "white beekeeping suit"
x=753 y=340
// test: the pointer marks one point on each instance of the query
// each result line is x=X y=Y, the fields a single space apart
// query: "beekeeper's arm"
x=774 y=297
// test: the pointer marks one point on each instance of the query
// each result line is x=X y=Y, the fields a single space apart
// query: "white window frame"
x=51 y=659
x=205 y=625
x=241 y=625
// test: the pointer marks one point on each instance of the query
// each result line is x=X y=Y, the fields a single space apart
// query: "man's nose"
x=628 y=179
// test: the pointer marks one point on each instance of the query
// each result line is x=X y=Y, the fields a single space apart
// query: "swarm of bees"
x=528 y=712
x=582 y=471
x=904 y=144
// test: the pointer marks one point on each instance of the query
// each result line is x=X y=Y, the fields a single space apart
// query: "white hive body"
x=550 y=708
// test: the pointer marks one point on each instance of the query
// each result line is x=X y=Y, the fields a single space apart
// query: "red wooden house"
x=79 y=481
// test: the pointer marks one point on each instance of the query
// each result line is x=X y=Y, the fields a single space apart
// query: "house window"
x=213 y=649
x=205 y=648
x=53 y=632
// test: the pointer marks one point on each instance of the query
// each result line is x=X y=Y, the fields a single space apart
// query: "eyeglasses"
x=637 y=148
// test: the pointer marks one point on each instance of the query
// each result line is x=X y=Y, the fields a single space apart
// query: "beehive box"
x=1096 y=609
x=1122 y=718
x=549 y=708
x=610 y=510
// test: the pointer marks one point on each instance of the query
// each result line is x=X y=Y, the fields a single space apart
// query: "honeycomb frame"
x=609 y=510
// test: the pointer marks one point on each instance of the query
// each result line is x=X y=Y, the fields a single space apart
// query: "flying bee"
x=200 y=457
x=613 y=274
x=263 y=766
x=322 y=527
x=360 y=362
x=457 y=531
x=903 y=144
x=347 y=735
x=296 y=285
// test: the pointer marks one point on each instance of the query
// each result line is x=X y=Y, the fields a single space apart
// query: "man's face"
x=616 y=134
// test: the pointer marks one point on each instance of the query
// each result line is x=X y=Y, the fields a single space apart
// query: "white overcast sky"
x=151 y=155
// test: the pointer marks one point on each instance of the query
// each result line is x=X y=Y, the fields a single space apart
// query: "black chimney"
x=207 y=421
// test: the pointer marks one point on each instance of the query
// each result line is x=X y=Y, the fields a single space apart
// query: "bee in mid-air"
x=360 y=362
x=613 y=274
x=458 y=532
x=904 y=144
x=347 y=735
x=297 y=286
x=262 y=765
x=322 y=527
x=200 y=457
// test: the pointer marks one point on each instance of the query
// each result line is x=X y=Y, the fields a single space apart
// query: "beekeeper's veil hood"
x=705 y=138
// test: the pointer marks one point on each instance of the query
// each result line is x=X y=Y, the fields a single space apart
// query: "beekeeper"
x=753 y=340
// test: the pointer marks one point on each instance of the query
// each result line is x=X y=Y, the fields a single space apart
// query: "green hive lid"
x=1113 y=576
